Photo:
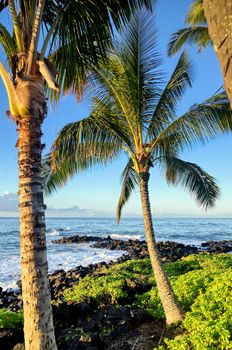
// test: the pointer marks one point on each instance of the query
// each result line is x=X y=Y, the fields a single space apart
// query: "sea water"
x=65 y=256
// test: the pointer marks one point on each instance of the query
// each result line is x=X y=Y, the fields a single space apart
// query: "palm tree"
x=218 y=15
x=75 y=34
x=131 y=114
x=195 y=32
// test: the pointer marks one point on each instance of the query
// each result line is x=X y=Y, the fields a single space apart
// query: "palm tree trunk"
x=169 y=301
x=218 y=14
x=38 y=319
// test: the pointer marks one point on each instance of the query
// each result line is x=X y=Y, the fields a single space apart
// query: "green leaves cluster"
x=208 y=324
x=207 y=296
x=101 y=290
x=195 y=32
x=112 y=286
x=10 y=319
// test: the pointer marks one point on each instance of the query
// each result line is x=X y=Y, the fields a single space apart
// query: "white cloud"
x=72 y=211
x=9 y=207
x=9 y=202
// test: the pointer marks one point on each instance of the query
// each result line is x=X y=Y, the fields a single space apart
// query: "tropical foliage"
x=10 y=319
x=47 y=37
x=202 y=283
x=134 y=112
x=195 y=32
x=206 y=294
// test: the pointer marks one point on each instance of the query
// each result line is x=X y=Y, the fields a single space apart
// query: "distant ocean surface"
x=187 y=231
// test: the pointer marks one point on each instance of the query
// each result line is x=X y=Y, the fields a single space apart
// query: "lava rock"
x=9 y=338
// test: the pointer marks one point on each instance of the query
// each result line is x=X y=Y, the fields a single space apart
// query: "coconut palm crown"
x=49 y=46
x=134 y=112
x=195 y=32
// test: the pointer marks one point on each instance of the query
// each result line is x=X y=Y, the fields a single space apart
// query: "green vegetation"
x=202 y=283
x=10 y=319
x=195 y=33
x=112 y=286
x=207 y=296
x=134 y=113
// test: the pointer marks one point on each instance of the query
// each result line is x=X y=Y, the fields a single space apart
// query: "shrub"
x=112 y=286
x=202 y=283
x=10 y=319
x=208 y=296
x=101 y=290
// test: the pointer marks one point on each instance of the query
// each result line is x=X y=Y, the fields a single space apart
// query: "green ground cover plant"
x=10 y=319
x=202 y=283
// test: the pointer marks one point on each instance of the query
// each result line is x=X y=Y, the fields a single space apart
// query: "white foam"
x=70 y=256
x=120 y=236
x=9 y=272
x=64 y=257
x=53 y=232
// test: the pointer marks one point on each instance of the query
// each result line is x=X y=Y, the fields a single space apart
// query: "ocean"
x=184 y=230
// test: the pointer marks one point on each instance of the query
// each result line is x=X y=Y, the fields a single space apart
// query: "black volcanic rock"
x=218 y=246
x=169 y=251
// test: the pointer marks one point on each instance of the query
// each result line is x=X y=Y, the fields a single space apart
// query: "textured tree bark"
x=172 y=309
x=38 y=319
x=218 y=14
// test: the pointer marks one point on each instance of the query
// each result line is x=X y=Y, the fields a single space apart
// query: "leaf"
x=193 y=178
x=174 y=90
x=200 y=123
x=198 y=36
x=48 y=76
x=78 y=147
x=129 y=181
x=17 y=108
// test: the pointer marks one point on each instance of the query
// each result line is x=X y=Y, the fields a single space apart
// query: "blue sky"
x=95 y=193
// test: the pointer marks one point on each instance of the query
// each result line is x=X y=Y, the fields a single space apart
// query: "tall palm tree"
x=195 y=32
x=218 y=14
x=73 y=34
x=132 y=114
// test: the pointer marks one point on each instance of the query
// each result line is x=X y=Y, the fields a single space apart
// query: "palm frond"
x=202 y=122
x=54 y=177
x=33 y=48
x=141 y=62
x=129 y=182
x=111 y=87
x=195 y=15
x=84 y=31
x=3 y=4
x=108 y=116
x=194 y=178
x=17 y=108
x=8 y=43
x=171 y=95
x=16 y=25
x=197 y=35
x=79 y=146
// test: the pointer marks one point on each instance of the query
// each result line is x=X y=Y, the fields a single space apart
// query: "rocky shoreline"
x=85 y=316
x=134 y=249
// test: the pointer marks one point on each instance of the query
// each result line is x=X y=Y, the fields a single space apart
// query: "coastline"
x=170 y=251
x=105 y=324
